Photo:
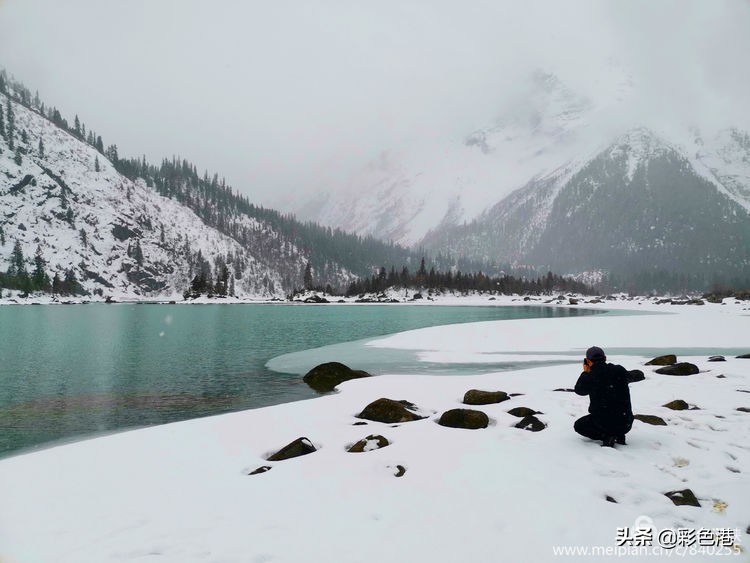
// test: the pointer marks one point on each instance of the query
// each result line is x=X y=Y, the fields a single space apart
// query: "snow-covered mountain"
x=63 y=200
x=402 y=196
x=640 y=204
x=508 y=191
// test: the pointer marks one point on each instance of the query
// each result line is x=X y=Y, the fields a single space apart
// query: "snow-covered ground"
x=181 y=492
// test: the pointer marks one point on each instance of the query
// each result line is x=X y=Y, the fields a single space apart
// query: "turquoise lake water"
x=68 y=372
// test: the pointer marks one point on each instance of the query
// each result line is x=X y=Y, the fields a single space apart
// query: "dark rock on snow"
x=477 y=397
x=372 y=442
x=744 y=357
x=566 y=389
x=301 y=446
x=522 y=412
x=743 y=409
x=685 y=497
x=677 y=405
x=717 y=359
x=610 y=499
x=666 y=360
x=651 y=419
x=389 y=411
x=400 y=470
x=635 y=375
x=683 y=368
x=360 y=423
x=531 y=423
x=325 y=377
x=464 y=418
x=260 y=470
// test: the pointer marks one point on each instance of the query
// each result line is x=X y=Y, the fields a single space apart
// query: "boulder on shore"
x=301 y=446
x=477 y=397
x=666 y=360
x=531 y=423
x=677 y=405
x=685 y=497
x=464 y=418
x=389 y=411
x=650 y=419
x=372 y=442
x=683 y=368
x=522 y=412
x=325 y=377
x=744 y=356
x=635 y=375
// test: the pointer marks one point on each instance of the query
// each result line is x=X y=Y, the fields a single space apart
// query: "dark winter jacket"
x=607 y=388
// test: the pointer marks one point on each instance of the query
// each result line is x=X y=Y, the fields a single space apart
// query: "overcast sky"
x=277 y=95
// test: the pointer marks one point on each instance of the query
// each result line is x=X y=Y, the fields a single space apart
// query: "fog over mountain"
x=288 y=99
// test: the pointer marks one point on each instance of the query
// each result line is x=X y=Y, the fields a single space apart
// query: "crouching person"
x=610 y=414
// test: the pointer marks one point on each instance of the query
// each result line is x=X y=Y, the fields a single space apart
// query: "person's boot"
x=620 y=439
x=608 y=442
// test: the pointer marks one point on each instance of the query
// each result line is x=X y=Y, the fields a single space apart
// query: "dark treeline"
x=660 y=282
x=464 y=282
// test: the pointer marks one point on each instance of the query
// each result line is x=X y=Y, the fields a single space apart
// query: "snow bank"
x=181 y=492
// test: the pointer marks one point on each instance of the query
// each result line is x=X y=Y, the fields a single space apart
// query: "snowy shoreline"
x=182 y=491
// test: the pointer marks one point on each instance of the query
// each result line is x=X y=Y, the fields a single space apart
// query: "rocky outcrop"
x=325 y=377
x=666 y=360
x=650 y=419
x=531 y=423
x=685 y=497
x=464 y=418
x=477 y=397
x=260 y=470
x=744 y=357
x=677 y=405
x=683 y=368
x=300 y=447
x=390 y=411
x=372 y=442
x=717 y=359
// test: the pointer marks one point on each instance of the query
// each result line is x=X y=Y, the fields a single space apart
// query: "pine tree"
x=307 y=277
x=2 y=236
x=24 y=137
x=138 y=253
x=18 y=159
x=17 y=261
x=40 y=279
x=41 y=148
x=77 y=127
x=11 y=125
x=97 y=168
x=2 y=123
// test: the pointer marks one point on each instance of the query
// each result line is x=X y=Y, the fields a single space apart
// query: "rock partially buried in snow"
x=325 y=377
x=464 y=418
x=260 y=470
x=389 y=411
x=677 y=405
x=400 y=471
x=522 y=412
x=372 y=442
x=683 y=368
x=477 y=397
x=665 y=360
x=743 y=409
x=610 y=499
x=301 y=446
x=650 y=419
x=744 y=357
x=531 y=423
x=685 y=497
x=635 y=375
x=717 y=359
